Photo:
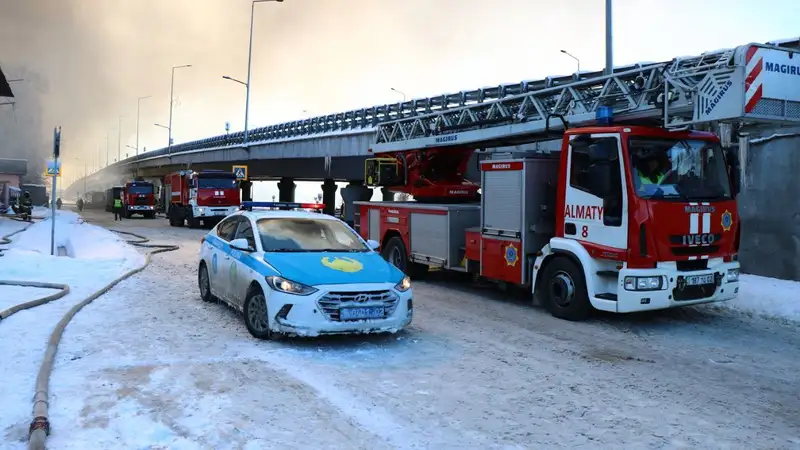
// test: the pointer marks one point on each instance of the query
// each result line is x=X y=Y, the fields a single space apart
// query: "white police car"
x=301 y=273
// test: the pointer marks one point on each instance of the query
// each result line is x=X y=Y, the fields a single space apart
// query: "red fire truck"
x=634 y=211
x=138 y=197
x=206 y=196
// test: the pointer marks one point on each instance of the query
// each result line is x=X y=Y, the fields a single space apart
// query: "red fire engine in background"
x=206 y=196
x=635 y=211
x=138 y=197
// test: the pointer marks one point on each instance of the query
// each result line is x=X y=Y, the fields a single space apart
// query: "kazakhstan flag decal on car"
x=348 y=265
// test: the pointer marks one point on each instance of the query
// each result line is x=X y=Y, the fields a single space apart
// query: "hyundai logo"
x=361 y=298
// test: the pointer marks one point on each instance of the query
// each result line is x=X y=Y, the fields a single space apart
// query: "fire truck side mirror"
x=734 y=172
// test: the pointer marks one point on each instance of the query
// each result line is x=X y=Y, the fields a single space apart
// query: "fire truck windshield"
x=216 y=183
x=146 y=189
x=676 y=169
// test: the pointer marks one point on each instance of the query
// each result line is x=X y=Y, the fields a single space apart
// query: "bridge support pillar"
x=286 y=189
x=329 y=196
x=247 y=190
x=353 y=192
x=386 y=195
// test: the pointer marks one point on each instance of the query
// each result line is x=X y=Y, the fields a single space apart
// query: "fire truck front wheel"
x=565 y=295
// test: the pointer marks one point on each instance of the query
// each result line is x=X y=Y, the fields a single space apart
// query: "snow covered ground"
x=95 y=256
x=149 y=365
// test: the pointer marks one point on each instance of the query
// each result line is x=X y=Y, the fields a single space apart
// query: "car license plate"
x=696 y=280
x=366 y=312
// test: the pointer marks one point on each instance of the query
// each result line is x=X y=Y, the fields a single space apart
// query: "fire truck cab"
x=625 y=218
x=206 y=196
x=138 y=197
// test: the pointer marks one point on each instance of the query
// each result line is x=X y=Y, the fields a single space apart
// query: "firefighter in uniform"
x=651 y=171
x=118 y=208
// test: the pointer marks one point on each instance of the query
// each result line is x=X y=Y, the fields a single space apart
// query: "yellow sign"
x=240 y=172
x=52 y=168
x=348 y=265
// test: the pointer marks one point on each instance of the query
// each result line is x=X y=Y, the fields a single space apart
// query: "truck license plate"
x=696 y=280
x=370 y=312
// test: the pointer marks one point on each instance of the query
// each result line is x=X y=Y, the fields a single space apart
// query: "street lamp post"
x=119 y=139
x=249 y=65
x=399 y=92
x=578 y=61
x=138 y=108
x=171 y=91
x=609 y=40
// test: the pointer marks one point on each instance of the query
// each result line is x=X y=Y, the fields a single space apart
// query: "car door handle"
x=227 y=257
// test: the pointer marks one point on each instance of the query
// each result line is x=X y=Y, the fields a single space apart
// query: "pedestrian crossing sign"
x=240 y=172
x=53 y=168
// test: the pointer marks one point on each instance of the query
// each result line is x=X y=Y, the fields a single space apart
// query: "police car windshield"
x=307 y=235
x=675 y=169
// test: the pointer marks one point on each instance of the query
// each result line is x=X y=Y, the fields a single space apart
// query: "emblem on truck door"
x=727 y=220
x=511 y=255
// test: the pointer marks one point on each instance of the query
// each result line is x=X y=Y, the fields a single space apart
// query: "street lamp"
x=578 y=61
x=161 y=126
x=138 y=108
x=249 y=65
x=609 y=40
x=171 y=90
x=404 y=95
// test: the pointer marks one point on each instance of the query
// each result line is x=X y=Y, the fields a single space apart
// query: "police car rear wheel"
x=204 y=284
x=256 y=317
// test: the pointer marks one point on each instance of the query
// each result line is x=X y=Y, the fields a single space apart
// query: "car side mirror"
x=373 y=244
x=241 y=244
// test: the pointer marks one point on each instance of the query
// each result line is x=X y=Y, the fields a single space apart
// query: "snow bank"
x=80 y=239
x=98 y=257
x=769 y=297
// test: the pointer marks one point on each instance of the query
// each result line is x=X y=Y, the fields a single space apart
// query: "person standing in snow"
x=118 y=208
x=79 y=204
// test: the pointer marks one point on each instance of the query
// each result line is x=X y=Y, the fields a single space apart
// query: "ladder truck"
x=636 y=211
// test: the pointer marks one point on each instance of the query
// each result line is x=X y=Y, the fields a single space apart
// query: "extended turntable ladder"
x=721 y=86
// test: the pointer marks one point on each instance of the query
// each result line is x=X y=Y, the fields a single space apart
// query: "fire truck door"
x=596 y=204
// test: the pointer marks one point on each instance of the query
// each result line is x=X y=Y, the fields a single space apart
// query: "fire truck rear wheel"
x=565 y=295
x=396 y=253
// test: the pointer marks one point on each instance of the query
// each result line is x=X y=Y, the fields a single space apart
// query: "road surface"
x=153 y=365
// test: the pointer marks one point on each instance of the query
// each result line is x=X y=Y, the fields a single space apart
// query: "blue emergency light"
x=248 y=206
x=604 y=115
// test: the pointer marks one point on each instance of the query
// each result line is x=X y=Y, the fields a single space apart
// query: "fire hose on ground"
x=40 y=426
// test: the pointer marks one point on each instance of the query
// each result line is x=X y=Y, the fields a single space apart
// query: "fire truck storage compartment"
x=517 y=214
x=439 y=240
x=435 y=234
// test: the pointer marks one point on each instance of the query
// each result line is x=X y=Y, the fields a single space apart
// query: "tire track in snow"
x=372 y=418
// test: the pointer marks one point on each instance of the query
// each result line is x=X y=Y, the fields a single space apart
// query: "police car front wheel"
x=256 y=316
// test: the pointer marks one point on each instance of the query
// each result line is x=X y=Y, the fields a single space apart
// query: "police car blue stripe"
x=245 y=258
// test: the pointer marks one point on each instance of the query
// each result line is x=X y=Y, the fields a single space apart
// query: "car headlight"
x=644 y=283
x=733 y=275
x=404 y=284
x=289 y=287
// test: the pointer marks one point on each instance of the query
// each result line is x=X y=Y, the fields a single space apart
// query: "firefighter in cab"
x=118 y=208
x=651 y=169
